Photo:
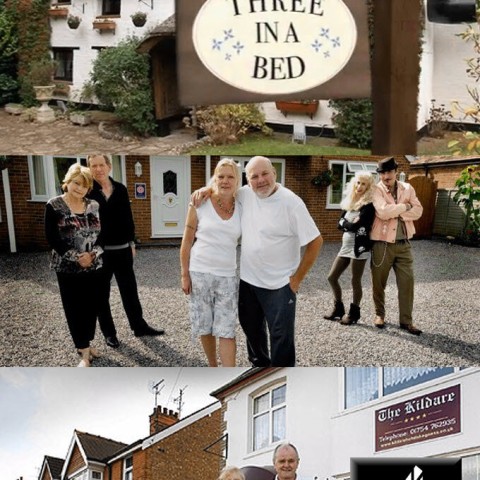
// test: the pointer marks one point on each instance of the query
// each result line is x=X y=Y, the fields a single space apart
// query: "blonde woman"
x=72 y=227
x=231 y=473
x=356 y=222
x=208 y=257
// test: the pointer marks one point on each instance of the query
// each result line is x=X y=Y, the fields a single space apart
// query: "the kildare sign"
x=231 y=51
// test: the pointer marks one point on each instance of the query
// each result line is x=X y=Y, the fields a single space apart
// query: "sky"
x=41 y=407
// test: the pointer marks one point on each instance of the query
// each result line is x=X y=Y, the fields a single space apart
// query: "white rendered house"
x=334 y=414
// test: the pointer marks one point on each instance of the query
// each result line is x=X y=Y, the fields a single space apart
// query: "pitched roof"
x=250 y=376
x=439 y=160
x=164 y=29
x=98 y=448
x=55 y=465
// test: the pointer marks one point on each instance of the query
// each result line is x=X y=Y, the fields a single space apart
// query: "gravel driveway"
x=447 y=308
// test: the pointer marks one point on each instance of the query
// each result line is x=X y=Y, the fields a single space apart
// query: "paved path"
x=21 y=137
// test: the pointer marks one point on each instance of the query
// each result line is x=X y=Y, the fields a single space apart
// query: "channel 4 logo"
x=406 y=468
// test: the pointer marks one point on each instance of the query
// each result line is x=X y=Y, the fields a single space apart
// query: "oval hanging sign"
x=274 y=46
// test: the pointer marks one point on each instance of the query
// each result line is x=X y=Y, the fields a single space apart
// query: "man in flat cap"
x=396 y=207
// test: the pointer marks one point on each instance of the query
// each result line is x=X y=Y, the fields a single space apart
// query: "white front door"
x=170 y=187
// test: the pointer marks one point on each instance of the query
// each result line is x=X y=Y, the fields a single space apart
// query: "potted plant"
x=104 y=24
x=139 y=18
x=298 y=106
x=41 y=77
x=73 y=21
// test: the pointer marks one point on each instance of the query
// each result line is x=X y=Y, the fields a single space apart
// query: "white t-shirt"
x=215 y=247
x=273 y=230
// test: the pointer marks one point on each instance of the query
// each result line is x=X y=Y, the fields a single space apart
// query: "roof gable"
x=99 y=448
x=51 y=468
x=85 y=448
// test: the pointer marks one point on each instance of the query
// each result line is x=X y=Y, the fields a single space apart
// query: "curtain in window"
x=361 y=385
x=260 y=431
x=278 y=421
x=40 y=184
x=116 y=172
x=399 y=378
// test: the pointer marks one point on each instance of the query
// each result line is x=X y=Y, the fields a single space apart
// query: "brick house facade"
x=298 y=172
x=176 y=449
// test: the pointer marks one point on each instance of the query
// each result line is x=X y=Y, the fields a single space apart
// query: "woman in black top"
x=72 y=227
x=356 y=222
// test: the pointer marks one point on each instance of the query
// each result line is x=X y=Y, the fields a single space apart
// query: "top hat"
x=386 y=165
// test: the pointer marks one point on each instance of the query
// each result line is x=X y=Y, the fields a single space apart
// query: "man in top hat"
x=396 y=207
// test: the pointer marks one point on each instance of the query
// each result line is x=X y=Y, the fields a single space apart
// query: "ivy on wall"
x=33 y=27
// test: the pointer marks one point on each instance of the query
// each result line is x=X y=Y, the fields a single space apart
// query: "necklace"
x=75 y=208
x=230 y=210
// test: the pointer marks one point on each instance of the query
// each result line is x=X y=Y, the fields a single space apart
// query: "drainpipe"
x=208 y=166
x=9 y=208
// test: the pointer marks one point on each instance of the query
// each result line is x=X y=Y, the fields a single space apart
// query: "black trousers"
x=259 y=308
x=79 y=294
x=120 y=264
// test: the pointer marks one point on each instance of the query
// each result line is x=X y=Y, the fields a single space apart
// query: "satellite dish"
x=259 y=473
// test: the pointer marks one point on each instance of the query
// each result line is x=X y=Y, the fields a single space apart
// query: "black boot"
x=353 y=315
x=337 y=312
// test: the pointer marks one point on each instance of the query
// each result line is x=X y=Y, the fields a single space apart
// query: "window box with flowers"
x=58 y=12
x=139 y=18
x=308 y=107
x=104 y=25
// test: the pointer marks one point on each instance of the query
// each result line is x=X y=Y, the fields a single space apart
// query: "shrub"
x=120 y=79
x=8 y=57
x=352 y=120
x=468 y=195
x=228 y=123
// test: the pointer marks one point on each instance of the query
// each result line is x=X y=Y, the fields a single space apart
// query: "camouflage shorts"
x=213 y=305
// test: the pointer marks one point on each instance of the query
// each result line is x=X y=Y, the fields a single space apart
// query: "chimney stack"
x=162 y=418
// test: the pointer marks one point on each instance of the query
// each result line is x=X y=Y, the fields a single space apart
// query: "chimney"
x=162 y=418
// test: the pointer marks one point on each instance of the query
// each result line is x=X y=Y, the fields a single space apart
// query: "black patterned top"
x=70 y=234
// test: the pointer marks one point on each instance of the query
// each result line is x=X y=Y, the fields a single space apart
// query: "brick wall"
x=76 y=461
x=181 y=456
x=446 y=176
x=29 y=216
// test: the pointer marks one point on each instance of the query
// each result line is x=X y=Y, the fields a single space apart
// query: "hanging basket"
x=139 y=19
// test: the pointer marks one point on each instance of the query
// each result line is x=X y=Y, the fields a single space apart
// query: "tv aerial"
x=156 y=388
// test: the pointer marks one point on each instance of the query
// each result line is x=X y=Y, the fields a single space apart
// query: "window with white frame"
x=269 y=417
x=128 y=469
x=81 y=476
x=364 y=384
x=96 y=475
x=47 y=173
x=343 y=171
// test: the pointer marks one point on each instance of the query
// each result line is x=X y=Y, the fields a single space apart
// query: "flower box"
x=104 y=25
x=293 y=106
x=58 y=12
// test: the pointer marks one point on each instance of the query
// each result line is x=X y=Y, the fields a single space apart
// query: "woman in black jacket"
x=356 y=222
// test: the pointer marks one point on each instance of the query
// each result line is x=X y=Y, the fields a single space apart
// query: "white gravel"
x=34 y=332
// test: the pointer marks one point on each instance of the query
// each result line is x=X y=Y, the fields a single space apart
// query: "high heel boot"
x=85 y=357
x=337 y=312
x=353 y=315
